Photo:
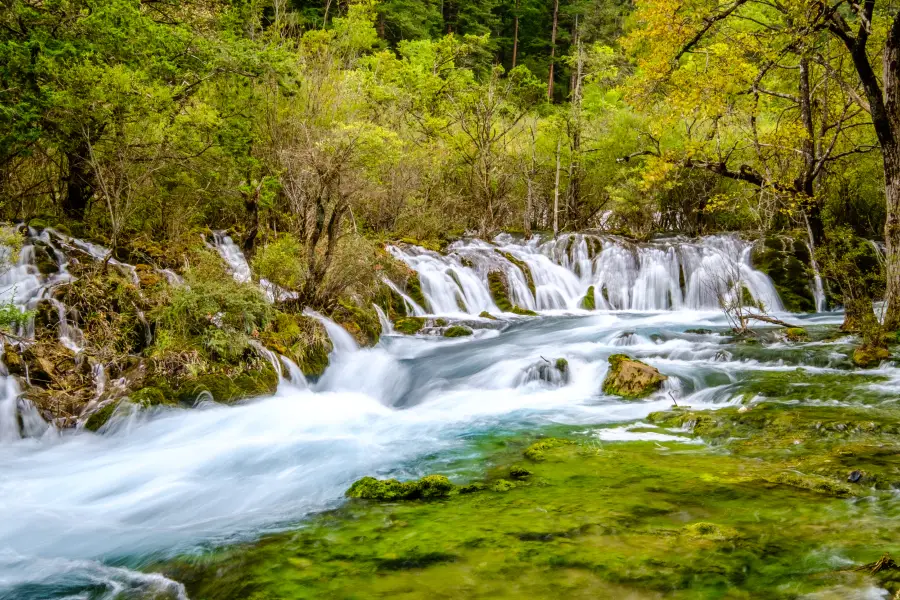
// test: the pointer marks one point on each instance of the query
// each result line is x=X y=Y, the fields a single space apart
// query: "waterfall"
x=666 y=274
x=387 y=327
x=411 y=305
x=232 y=256
x=818 y=287
x=341 y=341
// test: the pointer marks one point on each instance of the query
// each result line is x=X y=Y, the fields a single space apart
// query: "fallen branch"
x=768 y=319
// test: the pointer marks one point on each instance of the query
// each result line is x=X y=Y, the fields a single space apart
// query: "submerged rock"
x=631 y=379
x=555 y=373
x=796 y=334
x=387 y=490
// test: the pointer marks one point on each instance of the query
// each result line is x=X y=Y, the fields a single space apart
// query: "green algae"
x=499 y=290
x=409 y=325
x=387 y=490
x=796 y=334
x=589 y=302
x=457 y=331
x=798 y=385
x=618 y=520
x=526 y=271
x=869 y=356
x=100 y=417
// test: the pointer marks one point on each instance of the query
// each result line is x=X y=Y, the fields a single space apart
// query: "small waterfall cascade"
x=818 y=286
x=387 y=327
x=666 y=274
x=232 y=256
x=341 y=341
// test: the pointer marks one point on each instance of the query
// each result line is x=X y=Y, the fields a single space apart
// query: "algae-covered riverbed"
x=778 y=480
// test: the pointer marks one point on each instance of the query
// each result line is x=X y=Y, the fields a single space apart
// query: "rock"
x=387 y=490
x=869 y=357
x=796 y=334
x=699 y=331
x=500 y=290
x=518 y=310
x=486 y=315
x=457 y=331
x=519 y=473
x=631 y=379
x=855 y=476
x=786 y=260
x=555 y=373
x=589 y=302
x=409 y=325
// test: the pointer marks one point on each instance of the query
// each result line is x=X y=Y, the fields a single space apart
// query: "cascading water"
x=82 y=511
x=669 y=274
x=232 y=256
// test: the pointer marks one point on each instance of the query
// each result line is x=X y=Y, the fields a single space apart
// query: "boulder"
x=631 y=379
x=787 y=261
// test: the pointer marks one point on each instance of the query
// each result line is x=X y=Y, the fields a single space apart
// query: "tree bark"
x=556 y=192
x=78 y=183
x=890 y=146
x=552 y=50
x=515 y=37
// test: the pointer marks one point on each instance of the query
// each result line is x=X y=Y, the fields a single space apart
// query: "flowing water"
x=80 y=512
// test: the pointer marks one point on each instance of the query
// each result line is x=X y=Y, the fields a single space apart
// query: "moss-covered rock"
x=486 y=315
x=300 y=338
x=228 y=388
x=150 y=396
x=45 y=259
x=787 y=261
x=526 y=271
x=524 y=312
x=414 y=290
x=100 y=417
x=409 y=325
x=500 y=290
x=390 y=490
x=538 y=450
x=869 y=356
x=457 y=331
x=796 y=334
x=589 y=302
x=362 y=323
x=631 y=379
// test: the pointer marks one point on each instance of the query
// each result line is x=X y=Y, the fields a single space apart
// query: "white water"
x=233 y=257
x=673 y=274
x=79 y=511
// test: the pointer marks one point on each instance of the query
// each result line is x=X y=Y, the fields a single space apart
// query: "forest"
x=211 y=207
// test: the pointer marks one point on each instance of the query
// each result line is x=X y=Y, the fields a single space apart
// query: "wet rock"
x=387 y=490
x=699 y=331
x=868 y=356
x=786 y=260
x=855 y=476
x=486 y=315
x=796 y=334
x=457 y=331
x=631 y=379
x=589 y=302
x=45 y=259
x=409 y=325
x=555 y=373
x=519 y=473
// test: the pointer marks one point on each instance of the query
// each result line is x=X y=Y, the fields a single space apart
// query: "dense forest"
x=315 y=132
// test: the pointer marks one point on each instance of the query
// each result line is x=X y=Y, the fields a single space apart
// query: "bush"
x=212 y=312
x=282 y=262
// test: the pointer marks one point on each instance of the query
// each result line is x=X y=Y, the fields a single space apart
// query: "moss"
x=100 y=417
x=302 y=339
x=631 y=379
x=409 y=325
x=519 y=472
x=502 y=485
x=390 y=302
x=388 y=490
x=796 y=334
x=821 y=485
x=150 y=396
x=526 y=271
x=500 y=290
x=538 y=450
x=414 y=290
x=628 y=520
x=457 y=331
x=589 y=302
x=868 y=356
x=786 y=261
x=699 y=331
x=524 y=312
x=441 y=322
x=362 y=323
x=472 y=488
x=562 y=365
x=229 y=388
x=486 y=315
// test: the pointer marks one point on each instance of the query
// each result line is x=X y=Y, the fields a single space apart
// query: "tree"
x=809 y=31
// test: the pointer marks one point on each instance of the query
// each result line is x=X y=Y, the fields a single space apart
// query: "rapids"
x=80 y=512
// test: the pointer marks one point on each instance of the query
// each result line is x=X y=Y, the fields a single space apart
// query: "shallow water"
x=160 y=483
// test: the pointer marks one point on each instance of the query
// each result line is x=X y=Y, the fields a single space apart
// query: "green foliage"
x=212 y=312
x=281 y=262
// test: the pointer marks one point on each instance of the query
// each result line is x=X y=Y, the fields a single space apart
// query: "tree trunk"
x=556 y=193
x=552 y=50
x=251 y=204
x=515 y=37
x=890 y=147
x=78 y=181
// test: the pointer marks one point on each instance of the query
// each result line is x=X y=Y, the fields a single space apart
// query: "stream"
x=81 y=513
